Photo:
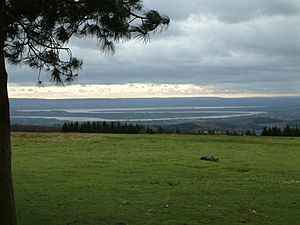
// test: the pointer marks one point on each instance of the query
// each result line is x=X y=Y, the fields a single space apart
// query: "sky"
x=229 y=48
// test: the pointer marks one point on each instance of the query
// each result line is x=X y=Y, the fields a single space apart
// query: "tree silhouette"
x=34 y=33
x=276 y=131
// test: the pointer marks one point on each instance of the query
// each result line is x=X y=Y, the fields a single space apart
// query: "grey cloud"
x=237 y=11
x=229 y=10
x=239 y=45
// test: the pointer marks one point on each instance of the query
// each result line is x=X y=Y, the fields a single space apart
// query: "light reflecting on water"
x=142 y=114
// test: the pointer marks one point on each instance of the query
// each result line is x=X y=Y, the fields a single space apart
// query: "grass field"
x=93 y=179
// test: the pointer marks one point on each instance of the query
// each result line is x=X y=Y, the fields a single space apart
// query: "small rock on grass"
x=210 y=158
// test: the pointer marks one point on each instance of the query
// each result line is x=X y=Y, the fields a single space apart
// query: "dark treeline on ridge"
x=117 y=127
x=287 y=131
x=124 y=128
x=109 y=127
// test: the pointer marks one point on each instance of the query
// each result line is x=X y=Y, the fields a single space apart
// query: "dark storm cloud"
x=241 y=46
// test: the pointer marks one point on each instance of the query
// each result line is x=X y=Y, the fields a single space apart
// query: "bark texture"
x=7 y=203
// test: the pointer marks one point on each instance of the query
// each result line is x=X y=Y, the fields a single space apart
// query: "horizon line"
x=164 y=97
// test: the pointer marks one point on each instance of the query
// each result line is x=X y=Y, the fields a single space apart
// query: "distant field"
x=101 y=179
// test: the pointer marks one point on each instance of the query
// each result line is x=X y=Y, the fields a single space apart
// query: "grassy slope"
x=91 y=179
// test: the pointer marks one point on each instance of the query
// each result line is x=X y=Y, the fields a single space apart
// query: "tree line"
x=287 y=131
x=119 y=128
x=110 y=127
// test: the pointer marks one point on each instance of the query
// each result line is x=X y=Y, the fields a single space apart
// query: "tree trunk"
x=7 y=203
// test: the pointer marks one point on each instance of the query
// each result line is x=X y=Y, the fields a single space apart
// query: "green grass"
x=93 y=179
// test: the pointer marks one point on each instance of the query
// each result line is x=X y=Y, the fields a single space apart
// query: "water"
x=141 y=114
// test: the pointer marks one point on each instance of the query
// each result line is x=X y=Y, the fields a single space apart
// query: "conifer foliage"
x=36 y=35
x=111 y=127
x=287 y=131
x=104 y=127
